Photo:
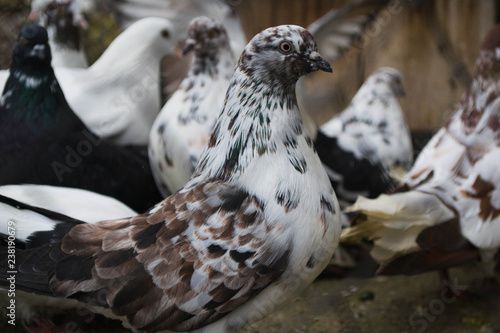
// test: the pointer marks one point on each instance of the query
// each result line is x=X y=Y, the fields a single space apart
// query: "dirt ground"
x=382 y=304
x=396 y=304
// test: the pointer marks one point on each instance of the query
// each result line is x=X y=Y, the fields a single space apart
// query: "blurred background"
x=433 y=43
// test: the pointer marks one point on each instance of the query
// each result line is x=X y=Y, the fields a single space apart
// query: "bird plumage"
x=361 y=146
x=183 y=127
x=255 y=225
x=445 y=211
x=180 y=14
x=118 y=97
x=80 y=204
x=64 y=21
x=42 y=141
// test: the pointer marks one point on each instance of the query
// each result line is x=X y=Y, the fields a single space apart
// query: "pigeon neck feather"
x=257 y=119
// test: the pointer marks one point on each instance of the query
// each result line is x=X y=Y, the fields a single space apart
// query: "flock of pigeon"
x=192 y=215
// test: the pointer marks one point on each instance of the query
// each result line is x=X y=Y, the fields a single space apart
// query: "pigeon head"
x=281 y=55
x=32 y=48
x=492 y=40
x=260 y=116
x=63 y=18
x=205 y=37
x=488 y=62
x=392 y=78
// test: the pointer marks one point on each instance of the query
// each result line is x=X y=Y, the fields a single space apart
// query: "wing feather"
x=336 y=31
x=160 y=273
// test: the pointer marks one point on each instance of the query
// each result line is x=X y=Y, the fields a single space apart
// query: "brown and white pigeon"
x=446 y=211
x=255 y=225
x=185 y=123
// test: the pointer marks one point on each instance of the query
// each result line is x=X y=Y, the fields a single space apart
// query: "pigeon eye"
x=165 y=33
x=22 y=41
x=212 y=33
x=285 y=47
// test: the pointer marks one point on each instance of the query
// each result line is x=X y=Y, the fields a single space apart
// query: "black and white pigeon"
x=118 y=97
x=185 y=123
x=43 y=142
x=446 y=210
x=364 y=146
x=64 y=21
x=254 y=226
x=339 y=32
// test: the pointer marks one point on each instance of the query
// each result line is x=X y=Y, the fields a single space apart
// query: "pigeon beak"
x=38 y=51
x=319 y=63
x=400 y=92
x=190 y=44
x=81 y=22
x=33 y=16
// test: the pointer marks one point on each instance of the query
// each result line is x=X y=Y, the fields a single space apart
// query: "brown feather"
x=145 y=266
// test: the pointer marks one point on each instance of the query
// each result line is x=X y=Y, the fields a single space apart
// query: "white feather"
x=118 y=97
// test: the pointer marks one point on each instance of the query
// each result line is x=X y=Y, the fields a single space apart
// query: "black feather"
x=358 y=175
x=42 y=141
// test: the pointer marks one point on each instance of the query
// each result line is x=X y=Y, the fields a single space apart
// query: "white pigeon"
x=79 y=204
x=185 y=123
x=446 y=211
x=180 y=13
x=363 y=145
x=63 y=20
x=118 y=97
x=254 y=226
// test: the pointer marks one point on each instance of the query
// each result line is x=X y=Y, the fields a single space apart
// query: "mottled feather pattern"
x=256 y=224
x=465 y=150
x=206 y=249
x=457 y=174
x=362 y=146
x=183 y=127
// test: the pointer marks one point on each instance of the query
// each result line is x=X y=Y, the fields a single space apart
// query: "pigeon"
x=180 y=14
x=63 y=20
x=183 y=127
x=339 y=32
x=176 y=142
x=79 y=204
x=42 y=141
x=363 y=146
x=118 y=97
x=446 y=210
x=257 y=222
